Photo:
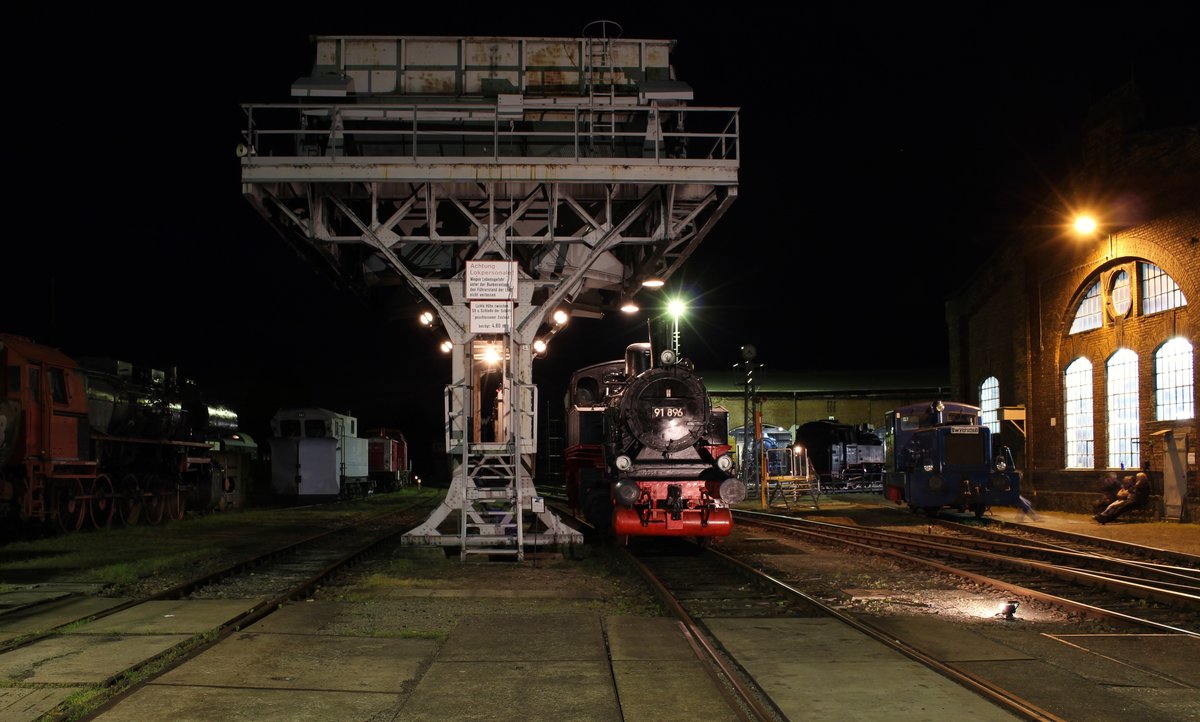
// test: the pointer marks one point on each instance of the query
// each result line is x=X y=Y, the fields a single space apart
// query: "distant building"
x=792 y=398
x=1083 y=350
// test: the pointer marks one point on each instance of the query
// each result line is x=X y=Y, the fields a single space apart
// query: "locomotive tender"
x=96 y=439
x=647 y=453
x=941 y=456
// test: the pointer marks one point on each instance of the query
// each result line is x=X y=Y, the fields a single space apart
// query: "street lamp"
x=676 y=307
x=1086 y=226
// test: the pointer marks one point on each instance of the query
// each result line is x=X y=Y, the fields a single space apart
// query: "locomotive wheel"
x=103 y=504
x=156 y=500
x=176 y=502
x=72 y=510
x=129 y=500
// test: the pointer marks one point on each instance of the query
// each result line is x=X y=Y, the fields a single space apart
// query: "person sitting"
x=1132 y=496
x=1108 y=492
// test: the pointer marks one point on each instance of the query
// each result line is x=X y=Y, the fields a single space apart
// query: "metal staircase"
x=491 y=516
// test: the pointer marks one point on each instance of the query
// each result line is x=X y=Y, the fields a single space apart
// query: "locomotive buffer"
x=502 y=179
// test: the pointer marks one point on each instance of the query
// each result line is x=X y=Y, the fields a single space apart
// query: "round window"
x=1119 y=293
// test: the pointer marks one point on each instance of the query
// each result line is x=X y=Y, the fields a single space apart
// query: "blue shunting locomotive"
x=940 y=455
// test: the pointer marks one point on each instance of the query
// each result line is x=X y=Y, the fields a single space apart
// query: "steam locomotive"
x=845 y=457
x=647 y=454
x=90 y=440
x=941 y=456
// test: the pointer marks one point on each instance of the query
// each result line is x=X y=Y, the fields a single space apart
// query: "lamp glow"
x=1085 y=225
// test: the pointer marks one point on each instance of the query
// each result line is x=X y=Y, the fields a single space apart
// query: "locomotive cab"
x=47 y=406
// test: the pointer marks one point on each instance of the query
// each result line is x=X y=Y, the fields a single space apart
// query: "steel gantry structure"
x=501 y=178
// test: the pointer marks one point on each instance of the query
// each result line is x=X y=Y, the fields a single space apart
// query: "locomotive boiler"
x=90 y=440
x=647 y=453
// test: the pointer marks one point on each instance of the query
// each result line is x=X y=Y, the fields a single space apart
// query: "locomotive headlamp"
x=626 y=492
x=1001 y=464
x=724 y=462
x=928 y=467
x=668 y=357
x=624 y=463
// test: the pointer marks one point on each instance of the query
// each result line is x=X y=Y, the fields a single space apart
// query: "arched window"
x=1174 y=397
x=989 y=404
x=1159 y=291
x=1087 y=316
x=1123 y=440
x=1077 y=384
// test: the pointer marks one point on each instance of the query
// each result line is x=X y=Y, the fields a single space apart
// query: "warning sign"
x=492 y=280
x=491 y=316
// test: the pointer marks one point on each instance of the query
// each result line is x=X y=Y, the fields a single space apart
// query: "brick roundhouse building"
x=1082 y=348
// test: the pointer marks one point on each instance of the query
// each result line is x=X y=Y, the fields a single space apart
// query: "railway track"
x=1131 y=592
x=714 y=585
x=249 y=589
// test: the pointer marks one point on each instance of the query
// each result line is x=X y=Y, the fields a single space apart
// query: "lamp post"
x=676 y=307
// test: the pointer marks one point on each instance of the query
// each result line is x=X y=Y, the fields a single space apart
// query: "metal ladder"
x=600 y=79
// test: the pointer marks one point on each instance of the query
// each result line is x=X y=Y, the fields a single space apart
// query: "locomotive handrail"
x=496 y=135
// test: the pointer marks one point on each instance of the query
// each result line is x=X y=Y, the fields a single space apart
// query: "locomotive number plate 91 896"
x=667 y=412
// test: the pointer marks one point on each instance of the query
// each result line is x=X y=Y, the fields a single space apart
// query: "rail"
x=551 y=130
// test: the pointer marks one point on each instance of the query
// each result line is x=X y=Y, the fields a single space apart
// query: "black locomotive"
x=647 y=454
x=843 y=456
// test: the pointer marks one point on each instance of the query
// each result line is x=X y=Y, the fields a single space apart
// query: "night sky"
x=883 y=153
